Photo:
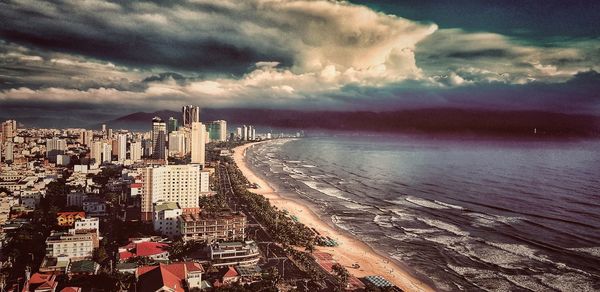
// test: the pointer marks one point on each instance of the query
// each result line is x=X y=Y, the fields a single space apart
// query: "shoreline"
x=351 y=250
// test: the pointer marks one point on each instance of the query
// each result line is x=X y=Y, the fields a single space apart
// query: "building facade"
x=198 y=143
x=170 y=183
x=159 y=138
x=213 y=227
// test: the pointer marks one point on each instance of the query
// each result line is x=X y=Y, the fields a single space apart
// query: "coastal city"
x=170 y=209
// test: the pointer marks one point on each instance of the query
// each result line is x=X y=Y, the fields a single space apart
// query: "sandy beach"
x=349 y=251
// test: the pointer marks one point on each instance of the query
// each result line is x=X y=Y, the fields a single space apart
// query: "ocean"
x=465 y=213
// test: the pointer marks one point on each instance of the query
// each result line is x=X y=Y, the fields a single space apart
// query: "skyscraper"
x=171 y=125
x=122 y=147
x=106 y=152
x=96 y=151
x=217 y=130
x=135 y=152
x=9 y=130
x=191 y=114
x=54 y=147
x=198 y=147
x=9 y=152
x=244 y=133
x=159 y=136
x=86 y=137
x=177 y=144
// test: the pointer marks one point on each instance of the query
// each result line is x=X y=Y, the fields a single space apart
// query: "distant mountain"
x=439 y=120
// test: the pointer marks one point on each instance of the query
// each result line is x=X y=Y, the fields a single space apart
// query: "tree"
x=341 y=273
x=272 y=276
x=100 y=255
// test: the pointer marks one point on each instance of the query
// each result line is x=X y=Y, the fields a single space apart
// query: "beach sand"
x=350 y=250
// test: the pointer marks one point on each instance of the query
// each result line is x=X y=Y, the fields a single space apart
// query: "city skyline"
x=97 y=63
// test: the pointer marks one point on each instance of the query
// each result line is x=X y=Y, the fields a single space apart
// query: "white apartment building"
x=198 y=143
x=135 y=153
x=165 y=218
x=87 y=224
x=122 y=147
x=177 y=143
x=182 y=184
x=72 y=245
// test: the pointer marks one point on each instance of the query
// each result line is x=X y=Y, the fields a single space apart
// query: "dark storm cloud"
x=108 y=32
x=125 y=56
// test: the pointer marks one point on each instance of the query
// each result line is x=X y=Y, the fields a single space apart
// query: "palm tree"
x=341 y=273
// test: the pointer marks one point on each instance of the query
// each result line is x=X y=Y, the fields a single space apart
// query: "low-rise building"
x=87 y=224
x=30 y=200
x=95 y=207
x=165 y=218
x=67 y=219
x=74 y=245
x=75 y=199
x=174 y=277
x=41 y=283
x=157 y=251
x=234 y=253
x=83 y=268
x=212 y=227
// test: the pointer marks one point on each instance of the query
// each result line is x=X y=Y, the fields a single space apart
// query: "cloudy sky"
x=96 y=58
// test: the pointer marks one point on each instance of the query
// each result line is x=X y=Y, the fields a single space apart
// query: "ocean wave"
x=383 y=221
x=332 y=192
x=449 y=205
x=444 y=226
x=594 y=251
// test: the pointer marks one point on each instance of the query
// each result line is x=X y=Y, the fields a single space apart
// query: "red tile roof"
x=71 y=289
x=157 y=277
x=124 y=255
x=152 y=278
x=41 y=281
x=144 y=249
x=231 y=272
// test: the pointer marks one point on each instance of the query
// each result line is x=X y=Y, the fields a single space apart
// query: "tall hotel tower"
x=191 y=114
x=198 y=147
x=159 y=137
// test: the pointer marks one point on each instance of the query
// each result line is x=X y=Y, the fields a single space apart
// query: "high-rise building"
x=159 y=137
x=135 y=152
x=238 y=132
x=177 y=143
x=54 y=147
x=198 y=145
x=182 y=184
x=122 y=147
x=101 y=151
x=171 y=125
x=106 y=152
x=96 y=151
x=217 y=130
x=9 y=152
x=86 y=137
x=9 y=130
x=109 y=134
x=190 y=114
x=244 y=132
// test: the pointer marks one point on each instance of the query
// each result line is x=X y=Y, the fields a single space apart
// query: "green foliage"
x=341 y=273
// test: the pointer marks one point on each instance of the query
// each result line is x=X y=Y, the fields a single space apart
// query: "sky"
x=90 y=59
